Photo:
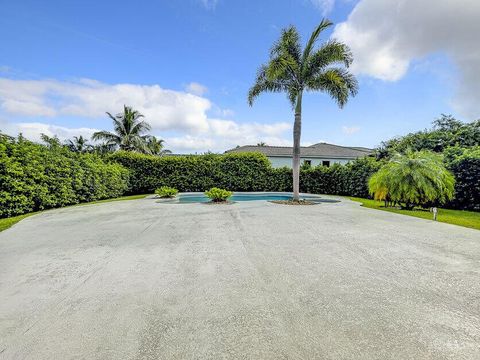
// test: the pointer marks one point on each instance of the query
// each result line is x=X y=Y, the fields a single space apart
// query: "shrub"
x=36 y=177
x=465 y=166
x=417 y=178
x=241 y=172
x=218 y=195
x=166 y=192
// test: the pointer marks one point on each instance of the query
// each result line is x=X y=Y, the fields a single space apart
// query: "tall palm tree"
x=128 y=131
x=156 y=146
x=294 y=71
x=79 y=144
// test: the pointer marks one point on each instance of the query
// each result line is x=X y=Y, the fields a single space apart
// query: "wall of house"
x=278 y=161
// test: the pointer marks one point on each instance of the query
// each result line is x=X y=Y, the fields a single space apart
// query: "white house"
x=317 y=154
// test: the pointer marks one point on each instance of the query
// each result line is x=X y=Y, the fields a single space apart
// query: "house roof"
x=322 y=150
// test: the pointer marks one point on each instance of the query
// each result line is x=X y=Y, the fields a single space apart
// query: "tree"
x=128 y=131
x=104 y=148
x=446 y=132
x=294 y=71
x=155 y=146
x=414 y=179
x=79 y=144
x=261 y=144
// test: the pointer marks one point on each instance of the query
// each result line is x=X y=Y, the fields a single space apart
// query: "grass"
x=470 y=219
x=9 y=222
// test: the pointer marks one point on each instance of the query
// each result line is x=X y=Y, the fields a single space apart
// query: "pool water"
x=195 y=198
x=201 y=198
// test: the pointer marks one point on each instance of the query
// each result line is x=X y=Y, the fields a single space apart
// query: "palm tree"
x=416 y=178
x=155 y=146
x=79 y=144
x=128 y=131
x=261 y=144
x=294 y=71
x=104 y=148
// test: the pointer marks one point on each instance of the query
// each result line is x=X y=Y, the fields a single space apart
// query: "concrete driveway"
x=253 y=280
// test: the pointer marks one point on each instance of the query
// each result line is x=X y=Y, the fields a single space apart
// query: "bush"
x=417 y=178
x=36 y=177
x=465 y=166
x=218 y=195
x=166 y=192
x=241 y=172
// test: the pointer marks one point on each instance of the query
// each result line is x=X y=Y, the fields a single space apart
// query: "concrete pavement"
x=253 y=280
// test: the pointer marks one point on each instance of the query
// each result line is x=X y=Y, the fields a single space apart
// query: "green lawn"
x=470 y=219
x=8 y=222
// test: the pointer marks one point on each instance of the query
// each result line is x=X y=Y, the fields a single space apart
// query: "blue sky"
x=189 y=64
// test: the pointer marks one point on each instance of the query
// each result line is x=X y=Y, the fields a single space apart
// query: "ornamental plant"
x=218 y=195
x=166 y=192
x=414 y=179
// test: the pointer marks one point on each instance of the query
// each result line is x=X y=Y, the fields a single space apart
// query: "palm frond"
x=337 y=82
x=289 y=43
x=324 y=24
x=331 y=53
x=264 y=84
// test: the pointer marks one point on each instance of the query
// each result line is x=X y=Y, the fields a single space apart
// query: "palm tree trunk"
x=297 y=131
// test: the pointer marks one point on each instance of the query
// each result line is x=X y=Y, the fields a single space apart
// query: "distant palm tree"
x=261 y=144
x=104 y=148
x=79 y=144
x=155 y=146
x=294 y=71
x=128 y=131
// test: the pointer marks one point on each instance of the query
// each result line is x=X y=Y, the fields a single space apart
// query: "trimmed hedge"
x=237 y=172
x=465 y=166
x=241 y=172
x=36 y=177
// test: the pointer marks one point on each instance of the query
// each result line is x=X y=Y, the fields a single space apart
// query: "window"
x=307 y=162
x=326 y=163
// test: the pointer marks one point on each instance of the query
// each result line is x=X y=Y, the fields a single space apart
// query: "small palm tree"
x=128 y=131
x=416 y=178
x=261 y=144
x=294 y=71
x=79 y=144
x=156 y=146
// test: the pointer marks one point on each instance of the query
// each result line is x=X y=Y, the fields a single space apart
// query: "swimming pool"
x=188 y=198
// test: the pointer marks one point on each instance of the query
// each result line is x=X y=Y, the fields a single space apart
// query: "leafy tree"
x=416 y=178
x=128 y=131
x=79 y=144
x=446 y=132
x=294 y=71
x=156 y=146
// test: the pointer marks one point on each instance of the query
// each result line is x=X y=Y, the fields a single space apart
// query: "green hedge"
x=465 y=166
x=238 y=172
x=35 y=177
x=241 y=172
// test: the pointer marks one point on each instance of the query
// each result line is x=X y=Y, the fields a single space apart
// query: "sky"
x=187 y=65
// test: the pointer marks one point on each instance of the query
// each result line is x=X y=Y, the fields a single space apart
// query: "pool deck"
x=252 y=280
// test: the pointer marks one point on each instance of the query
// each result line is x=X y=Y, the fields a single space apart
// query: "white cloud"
x=33 y=130
x=185 y=115
x=196 y=89
x=165 y=109
x=350 y=130
x=387 y=35
x=326 y=6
